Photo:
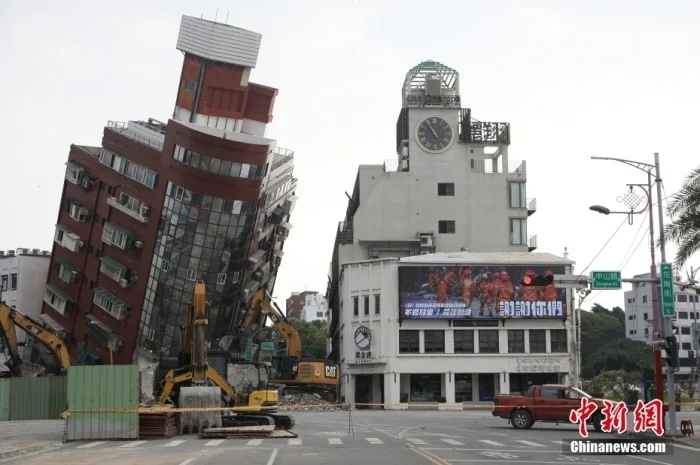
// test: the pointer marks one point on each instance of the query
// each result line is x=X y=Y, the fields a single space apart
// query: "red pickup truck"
x=549 y=403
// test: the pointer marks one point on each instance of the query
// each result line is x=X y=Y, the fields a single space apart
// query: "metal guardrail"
x=532 y=205
x=123 y=129
x=532 y=241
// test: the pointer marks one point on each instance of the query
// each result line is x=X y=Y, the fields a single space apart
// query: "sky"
x=575 y=79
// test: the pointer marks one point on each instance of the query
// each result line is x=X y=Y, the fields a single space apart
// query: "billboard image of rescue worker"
x=474 y=292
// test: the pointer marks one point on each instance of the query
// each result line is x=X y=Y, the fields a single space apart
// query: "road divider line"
x=92 y=444
x=374 y=440
x=133 y=444
x=529 y=443
x=416 y=441
x=214 y=442
x=174 y=443
x=436 y=459
x=254 y=442
x=492 y=443
x=453 y=442
x=185 y=462
x=272 y=457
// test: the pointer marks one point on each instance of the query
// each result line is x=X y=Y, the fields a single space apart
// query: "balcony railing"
x=531 y=242
x=123 y=129
x=489 y=166
x=345 y=233
x=531 y=206
x=137 y=215
x=479 y=132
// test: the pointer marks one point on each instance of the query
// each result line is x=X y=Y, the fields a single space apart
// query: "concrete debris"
x=305 y=402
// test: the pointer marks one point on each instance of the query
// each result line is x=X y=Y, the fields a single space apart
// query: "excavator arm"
x=11 y=318
x=260 y=304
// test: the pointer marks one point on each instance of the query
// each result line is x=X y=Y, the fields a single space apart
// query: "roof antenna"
x=216 y=15
x=227 y=17
x=566 y=252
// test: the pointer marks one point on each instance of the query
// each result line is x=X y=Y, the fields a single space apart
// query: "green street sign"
x=268 y=346
x=606 y=280
x=669 y=309
x=249 y=350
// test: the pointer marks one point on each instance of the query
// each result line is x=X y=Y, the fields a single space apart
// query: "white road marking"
x=499 y=434
x=415 y=440
x=272 y=457
x=492 y=443
x=334 y=441
x=92 y=444
x=374 y=440
x=683 y=446
x=254 y=442
x=453 y=442
x=214 y=442
x=134 y=443
x=294 y=442
x=559 y=442
x=174 y=443
x=528 y=443
x=648 y=460
x=185 y=462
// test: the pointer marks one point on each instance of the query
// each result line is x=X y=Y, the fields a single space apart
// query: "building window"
x=682 y=315
x=685 y=330
x=631 y=317
x=109 y=303
x=221 y=278
x=57 y=300
x=682 y=297
x=646 y=317
x=538 y=341
x=646 y=332
x=409 y=341
x=366 y=302
x=113 y=235
x=516 y=341
x=518 y=231
x=517 y=195
x=686 y=346
x=446 y=189
x=377 y=305
x=164 y=265
x=644 y=299
x=434 y=341
x=446 y=227
x=13 y=281
x=356 y=306
x=77 y=212
x=190 y=85
x=235 y=277
x=464 y=341
x=66 y=273
x=191 y=275
x=558 y=340
x=488 y=341
x=3 y=286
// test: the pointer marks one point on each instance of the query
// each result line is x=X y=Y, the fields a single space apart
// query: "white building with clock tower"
x=451 y=187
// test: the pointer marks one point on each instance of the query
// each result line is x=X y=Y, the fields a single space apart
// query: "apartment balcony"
x=137 y=212
x=110 y=303
x=495 y=166
x=114 y=270
x=281 y=156
x=531 y=243
x=531 y=206
x=102 y=333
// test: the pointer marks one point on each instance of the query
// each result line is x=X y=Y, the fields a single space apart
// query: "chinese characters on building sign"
x=647 y=416
x=364 y=356
x=489 y=132
x=444 y=100
x=537 y=365
x=539 y=309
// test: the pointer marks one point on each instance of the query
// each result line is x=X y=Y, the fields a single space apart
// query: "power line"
x=641 y=225
x=603 y=248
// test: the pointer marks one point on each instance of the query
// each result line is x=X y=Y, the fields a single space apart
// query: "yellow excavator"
x=292 y=370
x=199 y=385
x=11 y=319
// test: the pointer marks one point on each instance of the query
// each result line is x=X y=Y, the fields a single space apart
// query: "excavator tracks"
x=280 y=422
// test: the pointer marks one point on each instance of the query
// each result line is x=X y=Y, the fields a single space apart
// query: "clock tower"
x=428 y=127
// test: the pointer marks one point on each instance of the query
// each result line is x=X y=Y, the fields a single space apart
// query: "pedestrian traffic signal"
x=671 y=348
x=537 y=280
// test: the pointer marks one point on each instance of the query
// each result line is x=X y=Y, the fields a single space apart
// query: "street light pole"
x=666 y=328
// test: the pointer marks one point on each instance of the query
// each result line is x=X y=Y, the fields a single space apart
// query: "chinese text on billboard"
x=472 y=292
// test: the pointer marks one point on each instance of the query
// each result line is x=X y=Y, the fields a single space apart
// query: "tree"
x=313 y=337
x=684 y=211
x=622 y=354
x=617 y=382
x=599 y=327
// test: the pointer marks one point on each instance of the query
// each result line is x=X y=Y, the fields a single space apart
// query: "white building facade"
x=452 y=187
x=405 y=344
x=23 y=275
x=639 y=321
x=315 y=308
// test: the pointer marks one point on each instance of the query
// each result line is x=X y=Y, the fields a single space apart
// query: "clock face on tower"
x=363 y=337
x=434 y=134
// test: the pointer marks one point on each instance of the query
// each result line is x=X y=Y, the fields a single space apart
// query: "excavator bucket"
x=199 y=397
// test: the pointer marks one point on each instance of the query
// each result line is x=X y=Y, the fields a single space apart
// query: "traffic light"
x=671 y=348
x=537 y=280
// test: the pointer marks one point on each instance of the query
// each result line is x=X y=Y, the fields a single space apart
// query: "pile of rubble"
x=305 y=402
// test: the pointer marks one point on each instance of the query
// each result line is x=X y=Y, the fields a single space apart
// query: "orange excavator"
x=295 y=372
x=11 y=319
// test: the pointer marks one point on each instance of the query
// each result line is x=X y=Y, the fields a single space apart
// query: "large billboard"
x=478 y=292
